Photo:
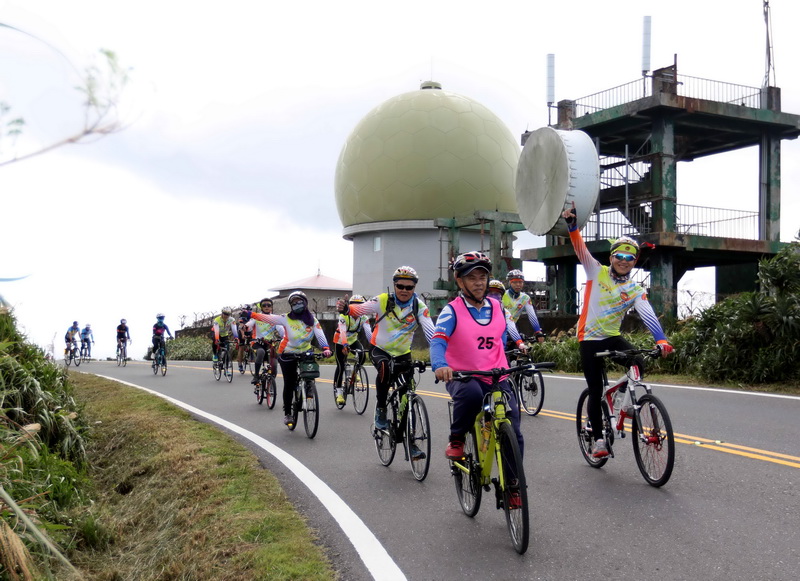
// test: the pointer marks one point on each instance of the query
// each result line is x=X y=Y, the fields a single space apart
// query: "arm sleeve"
x=649 y=318
x=367 y=328
x=590 y=265
x=323 y=342
x=425 y=321
x=235 y=330
x=511 y=329
x=531 y=312
x=371 y=307
x=445 y=323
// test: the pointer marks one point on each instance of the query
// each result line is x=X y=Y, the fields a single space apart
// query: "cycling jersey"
x=395 y=326
x=223 y=328
x=71 y=332
x=123 y=332
x=348 y=328
x=159 y=329
x=298 y=335
x=515 y=303
x=86 y=335
x=265 y=331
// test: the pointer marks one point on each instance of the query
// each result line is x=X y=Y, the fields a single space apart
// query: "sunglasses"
x=405 y=286
x=265 y=305
x=625 y=257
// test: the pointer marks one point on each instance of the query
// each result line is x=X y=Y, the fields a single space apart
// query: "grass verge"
x=178 y=499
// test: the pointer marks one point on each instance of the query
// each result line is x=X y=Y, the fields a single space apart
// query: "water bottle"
x=619 y=397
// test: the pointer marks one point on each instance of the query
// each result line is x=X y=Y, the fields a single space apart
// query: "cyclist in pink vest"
x=471 y=333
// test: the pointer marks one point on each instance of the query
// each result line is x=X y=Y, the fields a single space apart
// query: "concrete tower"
x=417 y=157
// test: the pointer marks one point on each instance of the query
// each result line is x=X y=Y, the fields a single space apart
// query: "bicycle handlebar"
x=496 y=373
x=653 y=353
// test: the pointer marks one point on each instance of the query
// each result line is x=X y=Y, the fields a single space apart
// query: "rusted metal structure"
x=642 y=130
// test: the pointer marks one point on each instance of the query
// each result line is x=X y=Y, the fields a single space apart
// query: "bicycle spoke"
x=514 y=488
x=653 y=441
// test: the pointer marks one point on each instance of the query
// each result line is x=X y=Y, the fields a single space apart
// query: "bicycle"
x=160 y=358
x=491 y=447
x=224 y=364
x=266 y=387
x=408 y=420
x=122 y=353
x=305 y=393
x=72 y=355
x=528 y=384
x=355 y=382
x=247 y=358
x=651 y=429
x=84 y=355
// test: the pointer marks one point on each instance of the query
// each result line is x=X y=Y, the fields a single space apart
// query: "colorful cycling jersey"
x=606 y=300
x=223 y=328
x=265 y=331
x=159 y=329
x=395 y=326
x=298 y=335
x=348 y=328
x=71 y=332
x=86 y=334
x=479 y=325
x=123 y=332
x=516 y=304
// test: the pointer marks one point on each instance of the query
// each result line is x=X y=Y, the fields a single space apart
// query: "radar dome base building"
x=423 y=175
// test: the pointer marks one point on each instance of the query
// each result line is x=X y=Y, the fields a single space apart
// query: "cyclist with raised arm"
x=71 y=337
x=123 y=333
x=515 y=300
x=222 y=327
x=265 y=335
x=245 y=336
x=159 y=329
x=398 y=315
x=87 y=338
x=471 y=333
x=609 y=294
x=346 y=338
x=300 y=326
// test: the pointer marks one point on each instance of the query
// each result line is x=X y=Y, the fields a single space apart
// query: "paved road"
x=730 y=511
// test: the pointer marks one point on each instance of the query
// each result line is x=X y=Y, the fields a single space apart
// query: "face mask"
x=298 y=307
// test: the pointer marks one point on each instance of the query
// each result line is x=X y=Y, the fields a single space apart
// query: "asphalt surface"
x=731 y=509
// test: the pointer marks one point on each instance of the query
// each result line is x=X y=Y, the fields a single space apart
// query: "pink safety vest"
x=473 y=345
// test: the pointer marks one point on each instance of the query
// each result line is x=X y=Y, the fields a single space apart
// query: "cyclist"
x=71 y=337
x=398 y=316
x=222 y=328
x=300 y=326
x=515 y=300
x=345 y=338
x=87 y=338
x=266 y=335
x=158 y=333
x=610 y=293
x=245 y=336
x=123 y=333
x=471 y=333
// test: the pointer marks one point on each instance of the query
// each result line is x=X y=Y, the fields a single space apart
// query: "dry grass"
x=179 y=499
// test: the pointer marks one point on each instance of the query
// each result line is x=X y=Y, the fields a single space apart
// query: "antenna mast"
x=645 y=52
x=551 y=83
x=769 y=75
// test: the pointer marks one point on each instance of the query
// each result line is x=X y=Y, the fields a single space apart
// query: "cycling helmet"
x=497 y=285
x=160 y=316
x=88 y=325
x=297 y=295
x=357 y=299
x=74 y=323
x=123 y=322
x=226 y=310
x=265 y=300
x=469 y=261
x=625 y=244
x=405 y=272
x=515 y=275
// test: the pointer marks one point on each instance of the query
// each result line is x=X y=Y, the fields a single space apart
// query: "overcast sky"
x=221 y=186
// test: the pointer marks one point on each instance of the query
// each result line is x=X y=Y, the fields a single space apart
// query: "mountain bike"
x=528 y=383
x=266 y=387
x=492 y=458
x=122 y=353
x=407 y=418
x=651 y=429
x=160 y=358
x=224 y=364
x=72 y=355
x=305 y=393
x=355 y=382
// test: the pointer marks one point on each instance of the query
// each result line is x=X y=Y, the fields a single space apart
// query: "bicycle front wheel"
x=467 y=477
x=76 y=358
x=271 y=391
x=584 y=428
x=310 y=411
x=385 y=443
x=530 y=389
x=217 y=366
x=418 y=431
x=119 y=356
x=360 y=387
x=155 y=364
x=261 y=388
x=228 y=365
x=514 y=488
x=124 y=356
x=163 y=364
x=653 y=441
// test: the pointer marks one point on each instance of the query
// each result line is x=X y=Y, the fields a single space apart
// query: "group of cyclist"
x=74 y=332
x=123 y=335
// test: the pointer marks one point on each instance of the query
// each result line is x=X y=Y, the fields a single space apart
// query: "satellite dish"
x=555 y=169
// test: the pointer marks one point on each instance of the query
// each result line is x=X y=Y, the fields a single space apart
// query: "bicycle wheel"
x=467 y=477
x=310 y=411
x=296 y=406
x=217 y=367
x=76 y=358
x=155 y=364
x=653 y=441
x=119 y=357
x=261 y=388
x=360 y=391
x=271 y=391
x=228 y=367
x=163 y=364
x=418 y=433
x=515 y=488
x=385 y=443
x=585 y=437
x=124 y=356
x=530 y=390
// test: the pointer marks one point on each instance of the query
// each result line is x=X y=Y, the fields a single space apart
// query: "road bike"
x=355 y=382
x=265 y=388
x=492 y=458
x=84 y=351
x=650 y=426
x=247 y=358
x=305 y=393
x=224 y=364
x=72 y=355
x=528 y=383
x=407 y=418
x=122 y=353
x=160 y=358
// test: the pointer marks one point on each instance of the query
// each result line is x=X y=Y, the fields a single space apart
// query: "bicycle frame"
x=632 y=379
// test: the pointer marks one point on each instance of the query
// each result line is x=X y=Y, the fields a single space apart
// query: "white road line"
x=372 y=553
